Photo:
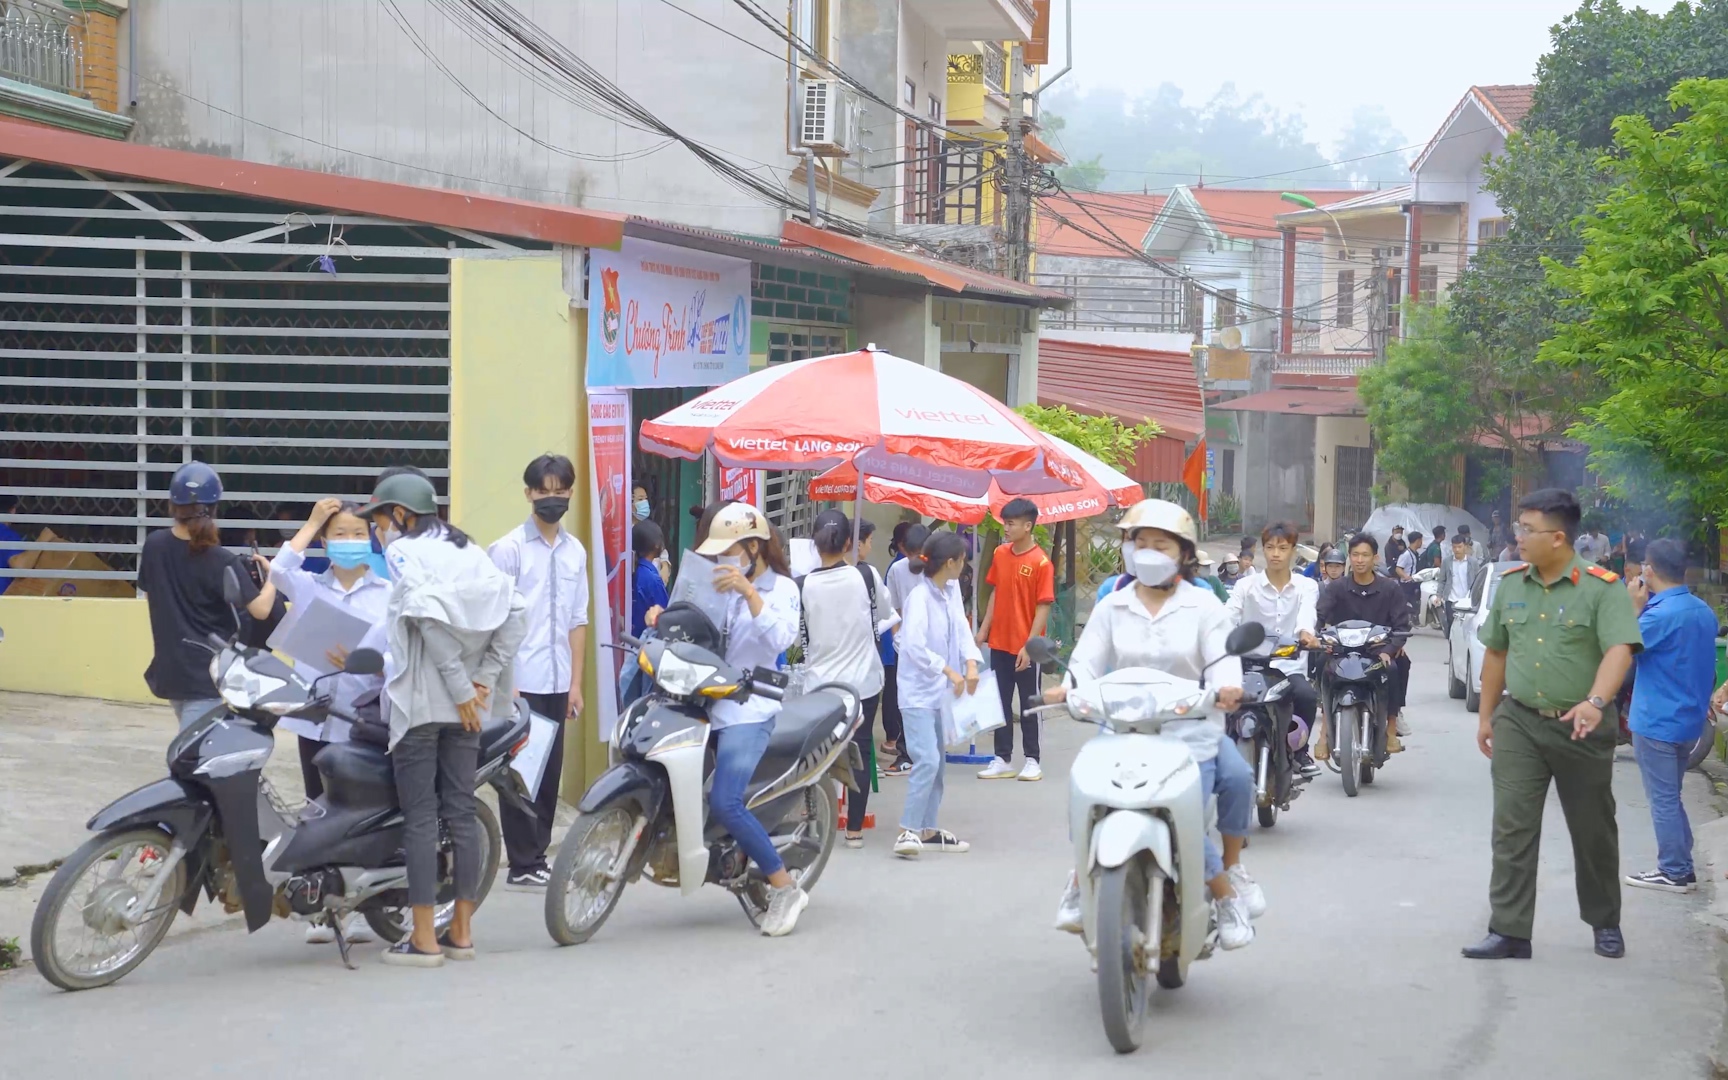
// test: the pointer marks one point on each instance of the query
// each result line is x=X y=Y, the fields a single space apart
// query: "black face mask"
x=551 y=509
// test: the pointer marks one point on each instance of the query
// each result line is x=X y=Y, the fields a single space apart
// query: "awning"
x=1299 y=401
x=1134 y=385
x=943 y=275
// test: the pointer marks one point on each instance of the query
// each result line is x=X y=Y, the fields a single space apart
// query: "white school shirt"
x=1188 y=633
x=934 y=634
x=369 y=599
x=842 y=627
x=553 y=580
x=754 y=641
x=1460 y=579
x=1285 y=612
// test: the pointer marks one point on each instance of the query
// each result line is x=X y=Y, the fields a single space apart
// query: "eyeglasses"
x=1521 y=529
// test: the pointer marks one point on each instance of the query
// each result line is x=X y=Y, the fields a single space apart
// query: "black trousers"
x=309 y=777
x=892 y=727
x=858 y=801
x=1400 y=685
x=1007 y=681
x=527 y=838
x=1303 y=698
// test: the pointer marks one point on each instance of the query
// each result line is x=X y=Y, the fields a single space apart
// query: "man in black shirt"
x=1372 y=598
x=1395 y=547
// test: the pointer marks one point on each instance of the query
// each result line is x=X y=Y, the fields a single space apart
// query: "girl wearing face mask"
x=351 y=585
x=762 y=617
x=1168 y=622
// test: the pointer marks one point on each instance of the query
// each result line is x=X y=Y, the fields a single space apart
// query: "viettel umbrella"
x=886 y=416
x=1101 y=488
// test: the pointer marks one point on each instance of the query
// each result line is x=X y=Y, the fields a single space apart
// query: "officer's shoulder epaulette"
x=1602 y=572
x=1514 y=568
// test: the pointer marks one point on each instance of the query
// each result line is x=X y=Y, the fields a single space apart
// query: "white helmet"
x=1160 y=514
x=735 y=521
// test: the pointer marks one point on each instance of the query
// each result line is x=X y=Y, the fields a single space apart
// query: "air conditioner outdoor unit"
x=828 y=122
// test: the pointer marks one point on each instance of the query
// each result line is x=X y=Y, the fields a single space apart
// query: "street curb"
x=1712 y=841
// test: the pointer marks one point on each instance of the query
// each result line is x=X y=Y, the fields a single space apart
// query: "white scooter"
x=1428 y=607
x=1137 y=816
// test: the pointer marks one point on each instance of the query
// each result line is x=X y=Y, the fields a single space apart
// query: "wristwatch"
x=1597 y=702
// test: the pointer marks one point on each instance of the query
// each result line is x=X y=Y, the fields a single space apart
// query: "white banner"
x=660 y=315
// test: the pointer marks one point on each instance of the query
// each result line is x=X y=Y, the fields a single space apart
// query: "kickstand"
x=342 y=941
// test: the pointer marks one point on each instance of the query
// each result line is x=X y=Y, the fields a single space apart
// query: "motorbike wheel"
x=80 y=938
x=586 y=878
x=1706 y=743
x=393 y=922
x=1127 y=945
x=813 y=833
x=1472 y=697
x=1346 y=752
x=1267 y=814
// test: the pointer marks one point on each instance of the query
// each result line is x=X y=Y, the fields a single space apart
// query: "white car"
x=1464 y=643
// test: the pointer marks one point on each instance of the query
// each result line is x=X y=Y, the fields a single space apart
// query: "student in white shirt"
x=550 y=568
x=1283 y=603
x=845 y=605
x=900 y=579
x=936 y=645
x=351 y=585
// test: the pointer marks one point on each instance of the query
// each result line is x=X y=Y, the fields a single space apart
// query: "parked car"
x=1464 y=643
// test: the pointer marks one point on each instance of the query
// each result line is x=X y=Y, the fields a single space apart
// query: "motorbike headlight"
x=681 y=677
x=694 y=735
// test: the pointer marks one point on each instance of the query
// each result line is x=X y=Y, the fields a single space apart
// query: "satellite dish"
x=1230 y=338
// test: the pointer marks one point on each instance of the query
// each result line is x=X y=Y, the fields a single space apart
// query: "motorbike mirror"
x=1042 y=650
x=231 y=587
x=364 y=662
x=1245 y=639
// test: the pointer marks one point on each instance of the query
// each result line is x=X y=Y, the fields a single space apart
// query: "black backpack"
x=869 y=575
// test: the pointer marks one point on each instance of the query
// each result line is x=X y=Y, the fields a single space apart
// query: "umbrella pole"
x=857 y=515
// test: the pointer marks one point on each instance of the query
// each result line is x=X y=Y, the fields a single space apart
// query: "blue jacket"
x=1677 y=670
x=648 y=591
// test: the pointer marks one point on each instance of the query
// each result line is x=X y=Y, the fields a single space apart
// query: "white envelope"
x=966 y=717
x=530 y=764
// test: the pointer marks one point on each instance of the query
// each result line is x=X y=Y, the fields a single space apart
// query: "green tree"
x=1104 y=437
x=1085 y=175
x=1653 y=280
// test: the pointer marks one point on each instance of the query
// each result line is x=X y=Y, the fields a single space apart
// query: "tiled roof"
x=1249 y=215
x=1511 y=103
x=1128 y=215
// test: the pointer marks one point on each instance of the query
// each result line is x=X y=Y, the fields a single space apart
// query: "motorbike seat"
x=355 y=771
x=805 y=724
x=498 y=734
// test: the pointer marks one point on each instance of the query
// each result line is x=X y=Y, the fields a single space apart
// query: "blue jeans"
x=190 y=710
x=737 y=751
x=923 y=741
x=1227 y=776
x=1663 y=766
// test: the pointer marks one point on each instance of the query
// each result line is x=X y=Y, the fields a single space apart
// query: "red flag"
x=1194 y=475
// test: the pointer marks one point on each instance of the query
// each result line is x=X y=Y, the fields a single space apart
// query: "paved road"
x=948 y=967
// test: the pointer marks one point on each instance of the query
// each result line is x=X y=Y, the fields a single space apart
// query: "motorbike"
x=647 y=816
x=1353 y=693
x=216 y=826
x=1268 y=734
x=1137 y=818
x=1429 y=604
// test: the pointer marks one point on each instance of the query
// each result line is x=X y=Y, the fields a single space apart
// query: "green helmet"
x=410 y=491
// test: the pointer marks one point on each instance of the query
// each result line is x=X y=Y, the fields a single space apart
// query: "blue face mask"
x=348 y=553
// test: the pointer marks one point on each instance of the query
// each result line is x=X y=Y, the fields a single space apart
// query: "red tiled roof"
x=1509 y=103
x=1134 y=385
x=1300 y=401
x=401 y=202
x=1128 y=215
x=944 y=275
x=1250 y=215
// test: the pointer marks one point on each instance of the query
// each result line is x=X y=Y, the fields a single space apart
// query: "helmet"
x=1333 y=555
x=1160 y=514
x=410 y=491
x=735 y=522
x=195 y=482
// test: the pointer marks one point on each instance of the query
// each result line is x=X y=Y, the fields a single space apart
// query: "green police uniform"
x=1554 y=637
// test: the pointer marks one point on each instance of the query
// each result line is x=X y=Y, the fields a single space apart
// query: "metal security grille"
x=146 y=325
x=1354 y=482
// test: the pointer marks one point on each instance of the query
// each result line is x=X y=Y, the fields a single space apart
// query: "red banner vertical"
x=741 y=485
x=609 y=429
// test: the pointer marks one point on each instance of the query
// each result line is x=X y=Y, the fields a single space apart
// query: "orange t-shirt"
x=1022 y=582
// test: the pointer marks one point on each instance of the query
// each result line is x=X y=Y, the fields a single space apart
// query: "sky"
x=1321 y=58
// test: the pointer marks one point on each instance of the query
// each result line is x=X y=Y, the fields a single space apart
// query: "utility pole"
x=1017 y=173
x=1379 y=311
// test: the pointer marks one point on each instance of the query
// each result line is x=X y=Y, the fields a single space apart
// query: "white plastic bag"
x=530 y=764
x=966 y=717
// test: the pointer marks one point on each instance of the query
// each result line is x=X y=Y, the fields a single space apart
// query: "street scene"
x=1059 y=531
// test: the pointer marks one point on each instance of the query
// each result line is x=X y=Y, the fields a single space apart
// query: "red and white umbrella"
x=886 y=416
x=1102 y=488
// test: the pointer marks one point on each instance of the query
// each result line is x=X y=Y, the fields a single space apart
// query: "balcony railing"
x=1322 y=363
x=995 y=67
x=42 y=44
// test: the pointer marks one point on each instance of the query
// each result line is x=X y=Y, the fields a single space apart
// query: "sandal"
x=404 y=954
x=855 y=841
x=453 y=951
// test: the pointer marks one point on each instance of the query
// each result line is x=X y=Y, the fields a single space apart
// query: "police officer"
x=1560 y=637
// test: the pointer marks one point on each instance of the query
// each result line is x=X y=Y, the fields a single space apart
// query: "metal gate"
x=1353 y=491
x=144 y=325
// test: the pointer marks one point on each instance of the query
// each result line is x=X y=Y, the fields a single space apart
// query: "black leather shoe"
x=1500 y=947
x=1610 y=943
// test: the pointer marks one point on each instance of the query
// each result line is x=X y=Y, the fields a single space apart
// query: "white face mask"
x=741 y=562
x=388 y=534
x=1152 y=568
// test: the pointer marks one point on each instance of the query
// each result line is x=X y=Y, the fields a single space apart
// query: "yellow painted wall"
x=517 y=391
x=82 y=646
x=1331 y=432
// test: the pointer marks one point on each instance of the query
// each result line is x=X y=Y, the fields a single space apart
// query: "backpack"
x=804 y=627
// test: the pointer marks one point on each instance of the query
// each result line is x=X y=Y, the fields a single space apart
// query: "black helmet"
x=1333 y=555
x=684 y=621
x=411 y=491
x=195 y=483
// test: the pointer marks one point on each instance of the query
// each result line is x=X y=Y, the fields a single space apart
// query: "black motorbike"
x=216 y=825
x=1262 y=730
x=1355 y=685
x=647 y=816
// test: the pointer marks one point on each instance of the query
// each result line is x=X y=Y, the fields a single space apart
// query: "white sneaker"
x=998 y=770
x=908 y=845
x=320 y=934
x=784 y=906
x=1402 y=727
x=1249 y=890
x=1031 y=771
x=358 y=931
x=1068 y=915
x=1234 y=929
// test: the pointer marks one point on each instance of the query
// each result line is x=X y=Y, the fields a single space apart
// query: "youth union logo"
x=740 y=322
